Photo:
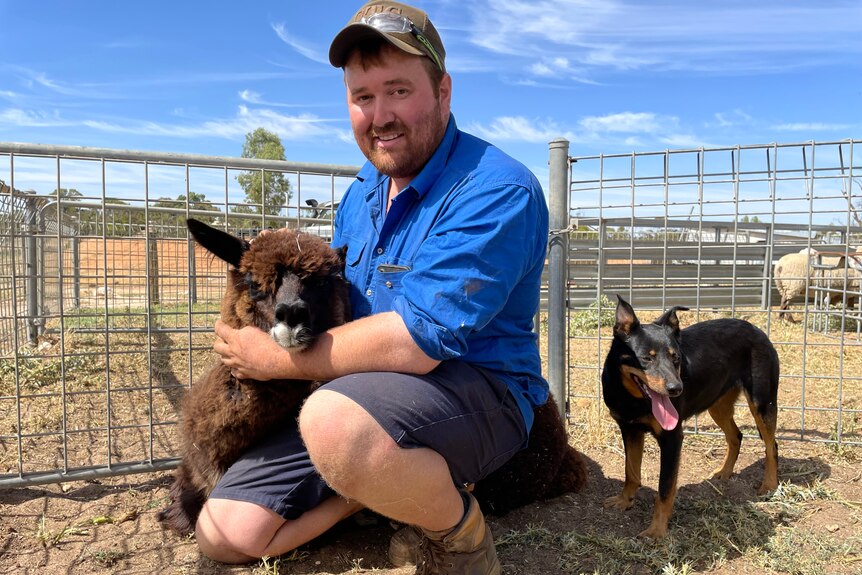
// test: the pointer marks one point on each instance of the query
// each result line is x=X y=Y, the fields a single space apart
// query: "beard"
x=422 y=141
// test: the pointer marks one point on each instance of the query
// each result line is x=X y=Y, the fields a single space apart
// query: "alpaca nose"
x=293 y=313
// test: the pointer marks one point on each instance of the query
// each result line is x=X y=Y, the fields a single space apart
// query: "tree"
x=196 y=201
x=273 y=191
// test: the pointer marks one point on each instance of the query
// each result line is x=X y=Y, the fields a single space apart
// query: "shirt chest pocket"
x=387 y=284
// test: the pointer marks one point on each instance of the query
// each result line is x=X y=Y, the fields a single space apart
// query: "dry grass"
x=812 y=525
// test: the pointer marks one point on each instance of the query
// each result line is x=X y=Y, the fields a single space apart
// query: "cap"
x=403 y=26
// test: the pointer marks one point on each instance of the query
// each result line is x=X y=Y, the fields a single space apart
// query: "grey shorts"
x=462 y=412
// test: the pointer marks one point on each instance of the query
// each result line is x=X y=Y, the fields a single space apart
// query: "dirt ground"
x=109 y=526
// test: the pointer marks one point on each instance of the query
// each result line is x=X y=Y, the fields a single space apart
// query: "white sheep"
x=795 y=272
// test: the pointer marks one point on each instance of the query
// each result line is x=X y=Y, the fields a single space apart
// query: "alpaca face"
x=287 y=283
x=300 y=307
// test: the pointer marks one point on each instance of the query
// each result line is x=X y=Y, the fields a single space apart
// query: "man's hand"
x=249 y=352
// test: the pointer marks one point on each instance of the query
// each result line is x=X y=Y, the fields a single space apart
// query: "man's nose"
x=383 y=114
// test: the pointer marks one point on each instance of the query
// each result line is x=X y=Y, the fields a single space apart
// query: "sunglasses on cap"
x=398 y=24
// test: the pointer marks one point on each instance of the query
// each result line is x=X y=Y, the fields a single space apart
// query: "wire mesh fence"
x=107 y=306
x=707 y=229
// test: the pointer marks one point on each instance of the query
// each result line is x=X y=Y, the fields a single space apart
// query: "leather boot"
x=404 y=546
x=466 y=550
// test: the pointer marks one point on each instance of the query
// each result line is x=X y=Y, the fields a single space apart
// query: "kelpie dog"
x=656 y=376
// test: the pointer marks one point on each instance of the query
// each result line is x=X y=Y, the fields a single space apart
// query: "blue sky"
x=609 y=75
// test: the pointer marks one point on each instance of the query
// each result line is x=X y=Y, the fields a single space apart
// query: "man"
x=432 y=387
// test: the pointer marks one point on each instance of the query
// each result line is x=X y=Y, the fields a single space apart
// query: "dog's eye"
x=647 y=359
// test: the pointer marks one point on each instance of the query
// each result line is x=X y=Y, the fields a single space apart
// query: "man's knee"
x=343 y=440
x=221 y=535
x=330 y=422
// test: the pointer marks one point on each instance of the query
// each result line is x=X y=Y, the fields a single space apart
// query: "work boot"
x=404 y=546
x=466 y=550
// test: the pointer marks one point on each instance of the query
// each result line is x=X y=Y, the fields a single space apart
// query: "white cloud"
x=630 y=122
x=519 y=129
x=249 y=96
x=252 y=97
x=811 y=127
x=307 y=51
x=289 y=128
x=625 y=130
x=733 y=37
x=31 y=119
x=730 y=119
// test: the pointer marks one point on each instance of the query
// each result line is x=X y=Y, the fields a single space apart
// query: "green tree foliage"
x=196 y=202
x=263 y=188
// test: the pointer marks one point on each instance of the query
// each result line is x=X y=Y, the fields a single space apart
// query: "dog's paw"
x=722 y=474
x=766 y=487
x=653 y=532
x=620 y=502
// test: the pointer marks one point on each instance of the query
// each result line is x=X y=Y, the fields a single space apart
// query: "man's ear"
x=445 y=96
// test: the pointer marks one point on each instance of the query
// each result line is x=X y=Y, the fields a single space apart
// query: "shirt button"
x=389 y=285
x=368 y=292
x=379 y=250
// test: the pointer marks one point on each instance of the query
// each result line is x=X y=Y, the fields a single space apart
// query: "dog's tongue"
x=663 y=410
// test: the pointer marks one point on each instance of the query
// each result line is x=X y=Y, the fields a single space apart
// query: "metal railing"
x=704 y=228
x=106 y=306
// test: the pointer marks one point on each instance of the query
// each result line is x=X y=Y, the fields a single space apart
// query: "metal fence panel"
x=704 y=228
x=106 y=306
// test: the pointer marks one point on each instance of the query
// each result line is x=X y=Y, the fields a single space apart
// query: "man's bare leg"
x=359 y=460
x=238 y=531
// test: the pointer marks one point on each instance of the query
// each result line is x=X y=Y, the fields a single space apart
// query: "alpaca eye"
x=256 y=294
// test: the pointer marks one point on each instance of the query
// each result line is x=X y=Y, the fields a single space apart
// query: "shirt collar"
x=425 y=179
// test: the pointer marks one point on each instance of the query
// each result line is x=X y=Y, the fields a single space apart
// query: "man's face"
x=397 y=119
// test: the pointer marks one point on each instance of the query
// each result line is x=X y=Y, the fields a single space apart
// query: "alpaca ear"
x=342 y=256
x=626 y=320
x=670 y=320
x=221 y=244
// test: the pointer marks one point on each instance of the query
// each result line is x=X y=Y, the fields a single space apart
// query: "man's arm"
x=378 y=342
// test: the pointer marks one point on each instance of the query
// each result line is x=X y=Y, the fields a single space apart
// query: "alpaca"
x=290 y=284
x=547 y=468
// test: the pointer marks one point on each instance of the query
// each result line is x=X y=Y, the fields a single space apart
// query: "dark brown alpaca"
x=289 y=284
x=547 y=468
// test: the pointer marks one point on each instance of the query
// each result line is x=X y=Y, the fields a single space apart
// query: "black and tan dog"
x=656 y=376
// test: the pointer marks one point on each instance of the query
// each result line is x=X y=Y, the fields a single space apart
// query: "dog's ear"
x=669 y=318
x=626 y=320
x=221 y=244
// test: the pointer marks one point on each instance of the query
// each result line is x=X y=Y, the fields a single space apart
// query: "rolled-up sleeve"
x=465 y=272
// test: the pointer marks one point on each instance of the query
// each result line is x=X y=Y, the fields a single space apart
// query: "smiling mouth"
x=386 y=139
x=662 y=409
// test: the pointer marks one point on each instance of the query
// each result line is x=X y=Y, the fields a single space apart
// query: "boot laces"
x=433 y=558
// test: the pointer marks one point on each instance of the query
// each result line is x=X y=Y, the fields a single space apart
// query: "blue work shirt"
x=459 y=256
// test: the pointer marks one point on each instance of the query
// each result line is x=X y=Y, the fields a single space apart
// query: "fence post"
x=75 y=242
x=767 y=269
x=152 y=247
x=32 y=258
x=558 y=255
x=193 y=273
